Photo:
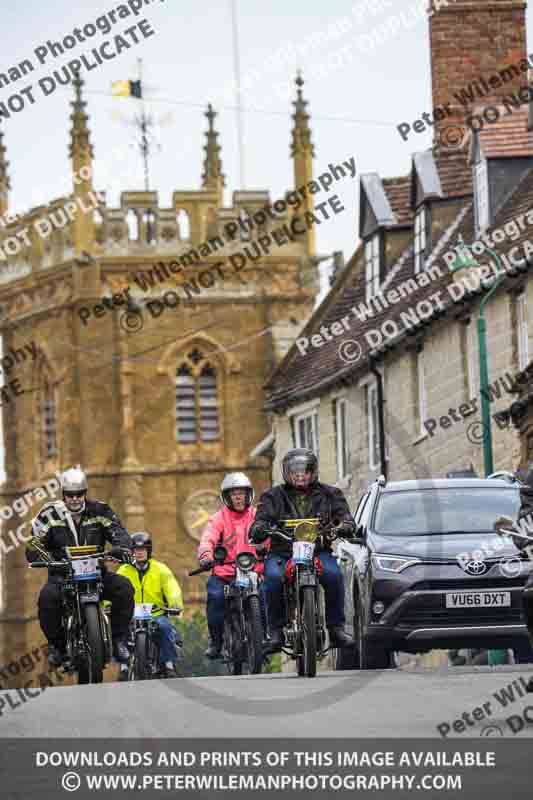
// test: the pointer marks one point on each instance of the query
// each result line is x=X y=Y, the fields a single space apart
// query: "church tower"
x=142 y=345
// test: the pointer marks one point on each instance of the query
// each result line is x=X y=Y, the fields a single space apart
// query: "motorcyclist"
x=228 y=527
x=523 y=521
x=301 y=496
x=153 y=582
x=74 y=521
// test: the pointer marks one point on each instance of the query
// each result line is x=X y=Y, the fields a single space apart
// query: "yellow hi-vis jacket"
x=156 y=585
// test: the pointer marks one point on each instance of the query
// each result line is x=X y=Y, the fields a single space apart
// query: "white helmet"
x=236 y=480
x=74 y=480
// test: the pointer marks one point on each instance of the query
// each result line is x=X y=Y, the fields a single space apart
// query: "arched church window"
x=49 y=420
x=149 y=226
x=184 y=225
x=197 y=400
x=132 y=222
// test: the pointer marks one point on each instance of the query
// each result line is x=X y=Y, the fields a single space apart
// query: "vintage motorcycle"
x=305 y=639
x=86 y=623
x=242 y=643
x=143 y=642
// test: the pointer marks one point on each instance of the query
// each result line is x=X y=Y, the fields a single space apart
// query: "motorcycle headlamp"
x=245 y=561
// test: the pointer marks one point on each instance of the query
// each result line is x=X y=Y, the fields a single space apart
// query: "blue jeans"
x=167 y=640
x=216 y=601
x=331 y=580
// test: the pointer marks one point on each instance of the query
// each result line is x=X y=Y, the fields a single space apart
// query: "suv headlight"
x=393 y=563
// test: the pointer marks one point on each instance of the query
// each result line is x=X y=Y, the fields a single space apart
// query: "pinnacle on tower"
x=81 y=151
x=212 y=177
x=5 y=183
x=301 y=132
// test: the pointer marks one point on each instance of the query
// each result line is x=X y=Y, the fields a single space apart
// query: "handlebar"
x=516 y=534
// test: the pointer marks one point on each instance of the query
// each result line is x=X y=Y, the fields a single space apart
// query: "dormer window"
x=481 y=195
x=420 y=238
x=372 y=265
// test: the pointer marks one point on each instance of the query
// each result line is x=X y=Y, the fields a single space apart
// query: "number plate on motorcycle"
x=242 y=579
x=477 y=599
x=89 y=598
x=302 y=552
x=143 y=610
x=85 y=569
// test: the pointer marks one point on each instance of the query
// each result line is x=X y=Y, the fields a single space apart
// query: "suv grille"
x=446 y=617
x=494 y=582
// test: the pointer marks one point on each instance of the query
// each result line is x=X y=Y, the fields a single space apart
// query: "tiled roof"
x=300 y=377
x=398 y=195
x=455 y=173
x=509 y=136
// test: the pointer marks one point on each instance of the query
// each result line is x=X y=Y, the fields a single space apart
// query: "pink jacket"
x=229 y=528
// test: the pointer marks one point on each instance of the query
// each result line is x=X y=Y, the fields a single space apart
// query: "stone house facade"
x=394 y=346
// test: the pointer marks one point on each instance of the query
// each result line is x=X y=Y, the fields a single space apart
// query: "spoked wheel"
x=140 y=663
x=91 y=669
x=306 y=662
x=254 y=632
x=371 y=655
x=232 y=645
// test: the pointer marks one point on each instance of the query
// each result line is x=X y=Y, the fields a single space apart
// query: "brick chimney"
x=473 y=41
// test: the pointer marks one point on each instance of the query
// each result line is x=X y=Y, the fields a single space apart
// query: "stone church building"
x=155 y=397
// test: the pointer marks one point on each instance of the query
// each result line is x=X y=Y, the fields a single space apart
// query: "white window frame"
x=481 y=194
x=522 y=332
x=342 y=450
x=373 y=425
x=422 y=392
x=420 y=238
x=372 y=266
x=314 y=445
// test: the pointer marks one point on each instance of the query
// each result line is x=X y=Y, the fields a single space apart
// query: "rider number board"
x=477 y=599
x=85 y=569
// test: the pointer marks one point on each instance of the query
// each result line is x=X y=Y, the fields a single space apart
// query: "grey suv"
x=428 y=571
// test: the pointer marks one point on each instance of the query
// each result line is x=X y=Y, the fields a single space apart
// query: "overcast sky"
x=357 y=95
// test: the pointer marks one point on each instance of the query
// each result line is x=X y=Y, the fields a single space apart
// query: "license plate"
x=90 y=598
x=477 y=599
x=143 y=610
x=85 y=569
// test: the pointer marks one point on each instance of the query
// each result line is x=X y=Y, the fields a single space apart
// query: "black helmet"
x=299 y=460
x=142 y=539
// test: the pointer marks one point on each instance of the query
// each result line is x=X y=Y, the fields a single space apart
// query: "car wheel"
x=371 y=655
x=348 y=657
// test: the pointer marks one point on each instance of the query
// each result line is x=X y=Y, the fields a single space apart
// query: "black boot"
x=214 y=645
x=339 y=638
x=120 y=651
x=56 y=654
x=276 y=640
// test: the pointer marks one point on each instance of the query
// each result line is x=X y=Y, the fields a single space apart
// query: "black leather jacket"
x=98 y=524
x=326 y=502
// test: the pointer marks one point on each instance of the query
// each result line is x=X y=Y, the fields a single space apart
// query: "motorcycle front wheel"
x=91 y=668
x=140 y=663
x=254 y=631
x=232 y=645
x=306 y=662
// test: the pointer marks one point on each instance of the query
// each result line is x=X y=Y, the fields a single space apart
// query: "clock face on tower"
x=198 y=507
